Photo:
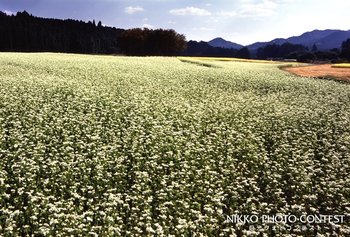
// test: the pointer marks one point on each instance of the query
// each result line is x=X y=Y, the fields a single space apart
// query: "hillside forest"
x=24 y=32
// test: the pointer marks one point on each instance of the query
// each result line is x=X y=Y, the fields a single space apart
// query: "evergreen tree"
x=345 y=49
x=24 y=32
x=243 y=53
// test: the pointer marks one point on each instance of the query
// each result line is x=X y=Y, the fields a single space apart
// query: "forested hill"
x=26 y=33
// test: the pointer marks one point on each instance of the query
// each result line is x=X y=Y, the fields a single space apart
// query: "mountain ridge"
x=222 y=43
x=323 y=39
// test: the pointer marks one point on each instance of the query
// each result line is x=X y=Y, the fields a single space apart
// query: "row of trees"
x=345 y=49
x=279 y=51
x=302 y=53
x=26 y=33
x=202 y=48
x=272 y=51
x=145 y=41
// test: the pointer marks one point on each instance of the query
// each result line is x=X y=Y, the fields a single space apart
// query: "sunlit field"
x=227 y=59
x=341 y=65
x=128 y=146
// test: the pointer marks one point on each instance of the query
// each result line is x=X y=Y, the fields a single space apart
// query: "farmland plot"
x=117 y=146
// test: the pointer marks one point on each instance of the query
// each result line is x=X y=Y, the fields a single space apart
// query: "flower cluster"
x=118 y=146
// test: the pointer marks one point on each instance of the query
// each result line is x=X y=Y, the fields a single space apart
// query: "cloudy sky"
x=241 y=21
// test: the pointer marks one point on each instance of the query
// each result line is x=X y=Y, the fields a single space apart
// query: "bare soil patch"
x=323 y=70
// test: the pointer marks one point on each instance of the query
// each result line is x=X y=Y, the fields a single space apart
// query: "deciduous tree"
x=160 y=42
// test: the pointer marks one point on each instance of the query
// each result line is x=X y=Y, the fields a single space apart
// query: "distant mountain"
x=202 y=48
x=323 y=39
x=254 y=47
x=221 y=43
x=333 y=40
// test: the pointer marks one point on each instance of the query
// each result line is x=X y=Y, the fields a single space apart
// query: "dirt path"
x=324 y=70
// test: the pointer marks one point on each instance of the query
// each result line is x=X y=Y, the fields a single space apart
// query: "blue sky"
x=241 y=21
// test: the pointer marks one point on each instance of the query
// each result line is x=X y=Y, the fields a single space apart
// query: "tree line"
x=203 y=49
x=26 y=33
x=159 y=42
x=303 y=54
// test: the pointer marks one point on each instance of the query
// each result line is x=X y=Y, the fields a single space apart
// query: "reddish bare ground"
x=323 y=70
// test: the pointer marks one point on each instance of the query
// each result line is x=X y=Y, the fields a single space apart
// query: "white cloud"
x=228 y=13
x=132 y=10
x=256 y=12
x=255 y=8
x=265 y=8
x=9 y=13
x=213 y=19
x=190 y=11
x=148 y=26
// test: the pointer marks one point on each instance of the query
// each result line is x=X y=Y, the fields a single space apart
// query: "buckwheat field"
x=127 y=146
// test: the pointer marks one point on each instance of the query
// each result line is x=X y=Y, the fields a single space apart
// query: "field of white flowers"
x=118 y=146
